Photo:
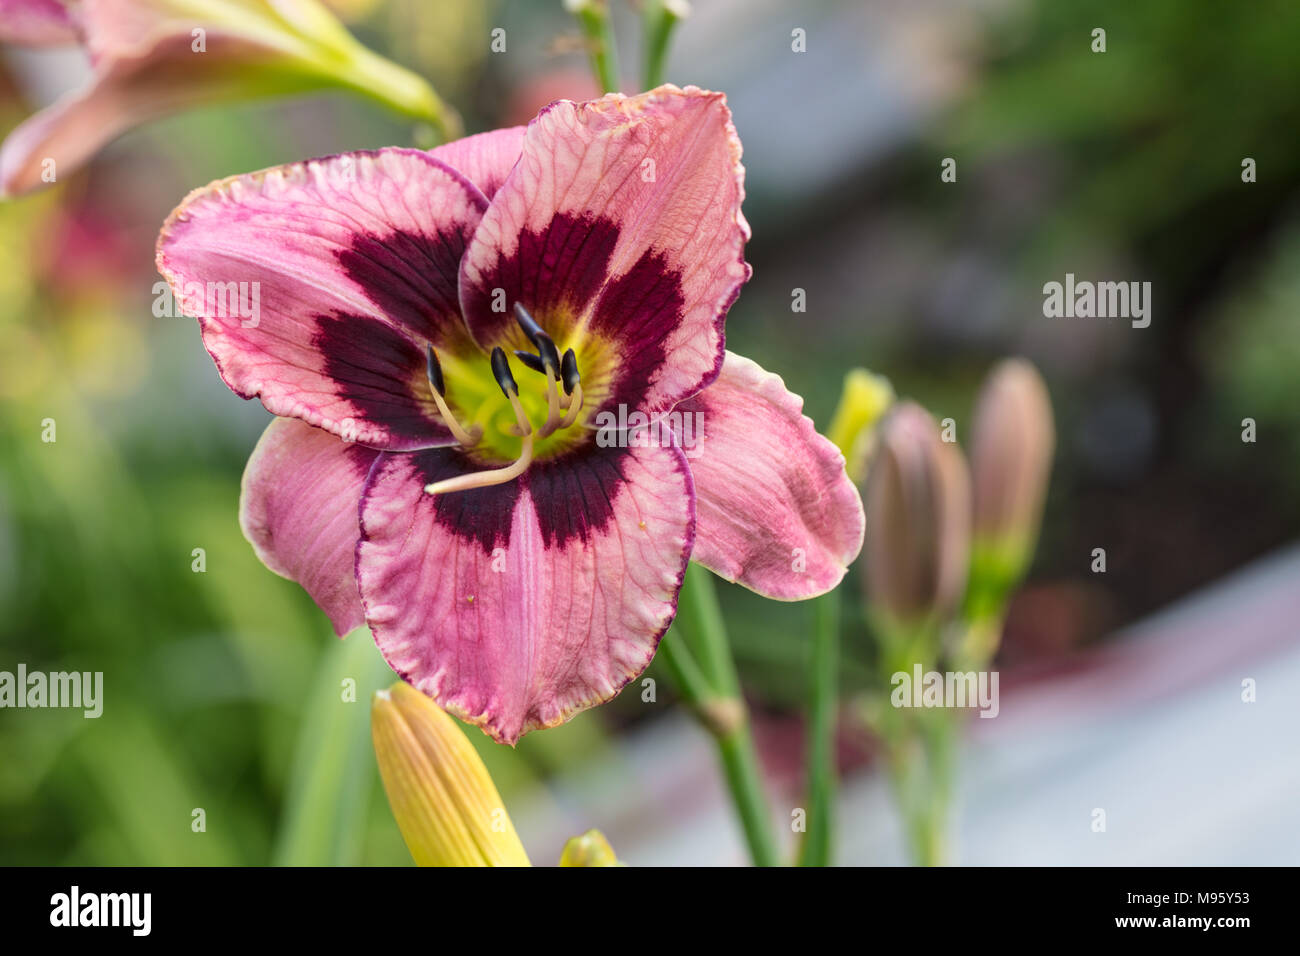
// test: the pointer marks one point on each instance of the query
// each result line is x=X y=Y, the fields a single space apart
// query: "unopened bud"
x=1011 y=459
x=918 y=520
x=446 y=805
x=589 y=849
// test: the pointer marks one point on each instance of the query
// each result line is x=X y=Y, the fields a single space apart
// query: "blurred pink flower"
x=154 y=57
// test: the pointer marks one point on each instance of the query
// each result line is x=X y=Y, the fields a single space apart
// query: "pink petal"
x=298 y=508
x=622 y=219
x=485 y=159
x=775 y=510
x=36 y=23
x=355 y=257
x=517 y=605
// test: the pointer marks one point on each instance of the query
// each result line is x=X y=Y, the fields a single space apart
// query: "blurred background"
x=1120 y=690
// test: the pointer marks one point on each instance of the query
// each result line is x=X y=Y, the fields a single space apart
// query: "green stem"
x=690 y=680
x=740 y=764
x=598 y=28
x=940 y=753
x=921 y=752
x=698 y=605
x=822 y=710
x=658 y=20
x=713 y=693
x=333 y=767
x=399 y=89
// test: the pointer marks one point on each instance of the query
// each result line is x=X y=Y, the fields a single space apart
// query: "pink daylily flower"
x=155 y=57
x=514 y=560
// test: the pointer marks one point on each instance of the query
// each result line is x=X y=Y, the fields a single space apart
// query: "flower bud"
x=1011 y=459
x=917 y=502
x=446 y=805
x=589 y=849
x=864 y=399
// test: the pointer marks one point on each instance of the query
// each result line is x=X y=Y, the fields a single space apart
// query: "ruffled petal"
x=298 y=507
x=775 y=510
x=622 y=224
x=517 y=605
x=353 y=259
x=485 y=159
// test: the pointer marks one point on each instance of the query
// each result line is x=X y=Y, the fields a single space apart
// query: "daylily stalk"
x=597 y=25
x=658 y=20
x=445 y=803
x=863 y=401
x=918 y=502
x=823 y=707
x=713 y=694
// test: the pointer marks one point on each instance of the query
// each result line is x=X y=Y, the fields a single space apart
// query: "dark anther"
x=501 y=369
x=550 y=355
x=534 y=362
x=569 y=371
x=433 y=368
x=527 y=323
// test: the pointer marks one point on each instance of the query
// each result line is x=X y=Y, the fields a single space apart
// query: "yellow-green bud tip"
x=865 y=398
x=589 y=849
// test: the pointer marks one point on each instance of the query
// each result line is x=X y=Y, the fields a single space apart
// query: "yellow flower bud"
x=865 y=398
x=446 y=805
x=589 y=849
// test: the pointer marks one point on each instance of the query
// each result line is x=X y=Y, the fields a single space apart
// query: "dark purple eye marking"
x=557 y=270
x=412 y=279
x=640 y=310
x=565 y=269
x=573 y=496
x=372 y=366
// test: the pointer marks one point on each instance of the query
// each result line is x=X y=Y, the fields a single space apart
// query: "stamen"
x=510 y=388
x=549 y=354
x=569 y=371
x=553 y=416
x=575 y=407
x=484 y=479
x=527 y=323
x=433 y=368
x=548 y=362
x=534 y=362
